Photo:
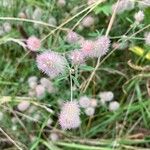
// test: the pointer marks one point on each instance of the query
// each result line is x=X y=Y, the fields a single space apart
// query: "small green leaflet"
x=106 y=9
x=86 y=68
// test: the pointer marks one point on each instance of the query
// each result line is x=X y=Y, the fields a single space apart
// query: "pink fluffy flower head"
x=73 y=37
x=139 y=16
x=77 y=57
x=69 y=115
x=40 y=91
x=84 y=101
x=87 y=48
x=51 y=63
x=96 y=48
x=33 y=43
x=101 y=46
x=123 y=6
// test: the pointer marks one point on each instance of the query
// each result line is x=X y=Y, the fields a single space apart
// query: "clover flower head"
x=113 y=106
x=24 y=105
x=51 y=63
x=77 y=57
x=87 y=47
x=88 y=21
x=93 y=102
x=72 y=37
x=139 y=16
x=54 y=136
x=123 y=5
x=69 y=115
x=33 y=43
x=40 y=91
x=84 y=101
x=102 y=45
x=106 y=96
x=89 y=111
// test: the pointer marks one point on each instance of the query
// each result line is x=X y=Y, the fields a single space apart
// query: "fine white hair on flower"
x=77 y=57
x=139 y=16
x=106 y=96
x=84 y=101
x=87 y=47
x=69 y=116
x=73 y=37
x=51 y=63
x=102 y=45
x=123 y=5
x=96 y=48
x=33 y=43
x=113 y=106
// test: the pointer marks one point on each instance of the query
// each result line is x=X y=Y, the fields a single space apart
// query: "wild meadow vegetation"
x=74 y=74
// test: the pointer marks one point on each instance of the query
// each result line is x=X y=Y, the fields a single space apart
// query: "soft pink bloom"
x=77 y=57
x=88 y=21
x=87 y=47
x=73 y=37
x=33 y=43
x=51 y=63
x=113 y=106
x=101 y=46
x=24 y=105
x=69 y=115
x=96 y=48
x=54 y=136
x=84 y=101
x=139 y=16
x=93 y=102
x=107 y=96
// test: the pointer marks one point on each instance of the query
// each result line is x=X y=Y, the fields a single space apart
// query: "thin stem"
x=70 y=19
x=71 y=91
x=98 y=61
x=10 y=139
